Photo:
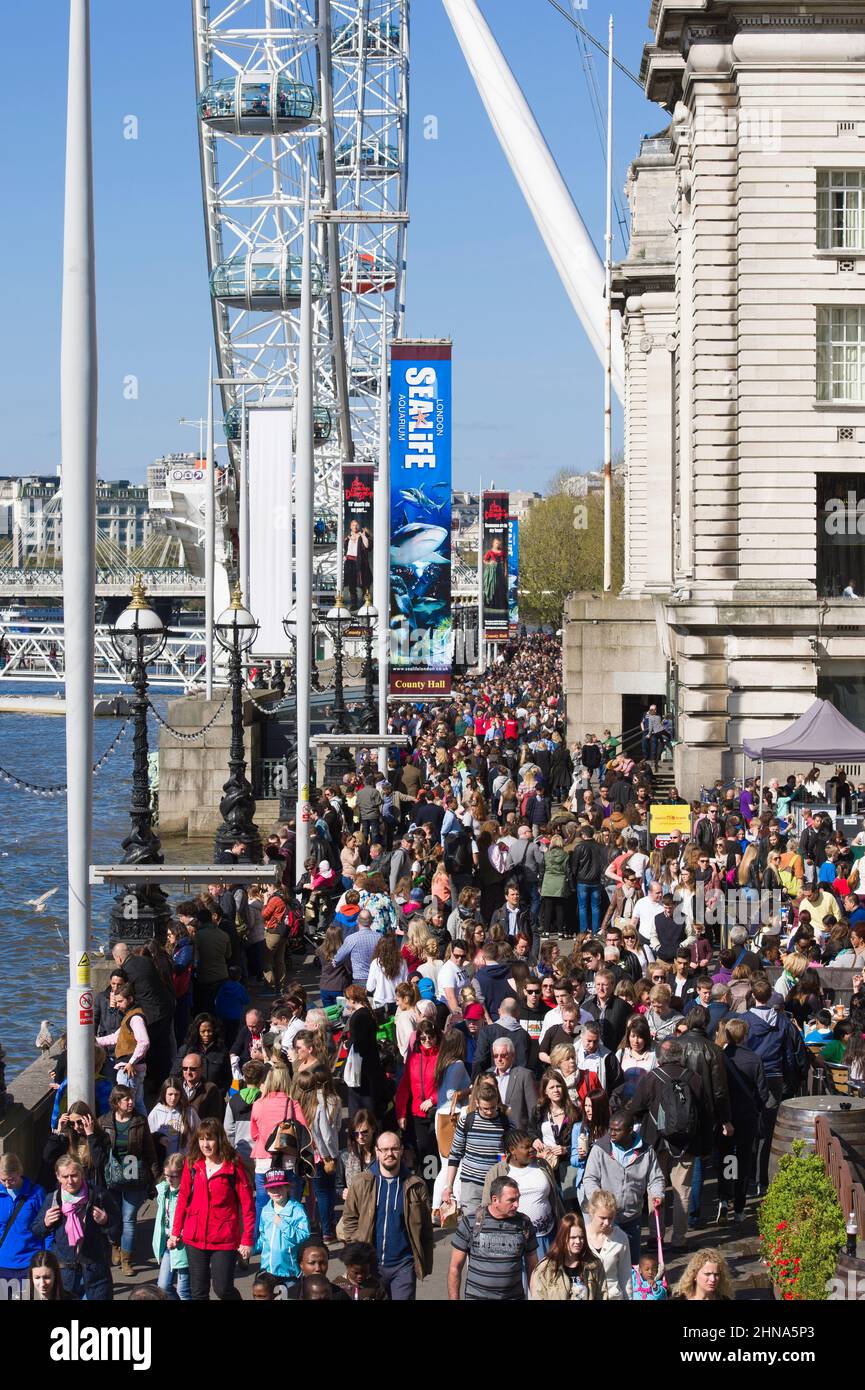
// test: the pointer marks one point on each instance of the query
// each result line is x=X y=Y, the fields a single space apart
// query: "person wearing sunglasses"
x=203 y=1096
x=532 y=1015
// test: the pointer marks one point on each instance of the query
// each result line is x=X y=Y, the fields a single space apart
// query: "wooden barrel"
x=796 y=1121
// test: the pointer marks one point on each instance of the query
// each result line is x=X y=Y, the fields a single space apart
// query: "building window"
x=840 y=221
x=841 y=354
x=840 y=534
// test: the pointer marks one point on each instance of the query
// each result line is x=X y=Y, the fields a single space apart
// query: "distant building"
x=31 y=517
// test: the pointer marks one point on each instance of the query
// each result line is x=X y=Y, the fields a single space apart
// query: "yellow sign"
x=84 y=970
x=663 y=820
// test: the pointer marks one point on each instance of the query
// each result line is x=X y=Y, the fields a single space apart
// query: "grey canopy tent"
x=820 y=735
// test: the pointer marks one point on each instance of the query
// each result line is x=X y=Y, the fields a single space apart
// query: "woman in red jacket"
x=416 y=1098
x=215 y=1213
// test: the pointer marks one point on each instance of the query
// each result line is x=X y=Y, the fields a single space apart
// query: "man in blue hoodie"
x=20 y=1203
x=779 y=1045
x=389 y=1208
x=493 y=980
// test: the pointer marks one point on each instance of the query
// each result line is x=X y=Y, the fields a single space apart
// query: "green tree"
x=562 y=550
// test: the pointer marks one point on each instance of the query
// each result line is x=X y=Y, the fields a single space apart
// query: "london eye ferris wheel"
x=287 y=88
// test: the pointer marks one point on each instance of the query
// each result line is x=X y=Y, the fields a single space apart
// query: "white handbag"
x=352 y=1069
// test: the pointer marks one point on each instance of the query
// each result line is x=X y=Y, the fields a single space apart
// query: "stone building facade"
x=743 y=309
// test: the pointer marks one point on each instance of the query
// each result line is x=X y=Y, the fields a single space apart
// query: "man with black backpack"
x=671 y=1110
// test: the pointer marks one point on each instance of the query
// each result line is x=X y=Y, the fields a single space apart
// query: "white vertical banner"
x=270 y=460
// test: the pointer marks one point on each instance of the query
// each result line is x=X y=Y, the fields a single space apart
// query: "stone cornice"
x=669 y=19
x=678 y=24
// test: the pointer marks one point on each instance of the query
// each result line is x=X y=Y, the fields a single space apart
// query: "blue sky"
x=527 y=388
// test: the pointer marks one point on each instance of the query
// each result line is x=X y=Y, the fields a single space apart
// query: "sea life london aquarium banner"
x=420 y=519
x=496 y=514
x=513 y=575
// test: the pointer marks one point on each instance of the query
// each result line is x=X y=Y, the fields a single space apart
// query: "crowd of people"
x=524 y=1038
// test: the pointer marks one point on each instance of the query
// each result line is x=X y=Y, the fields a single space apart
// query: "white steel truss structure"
x=36 y=652
x=285 y=87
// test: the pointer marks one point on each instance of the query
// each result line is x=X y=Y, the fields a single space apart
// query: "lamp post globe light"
x=367 y=617
x=138 y=637
x=235 y=631
x=339 y=760
x=337 y=622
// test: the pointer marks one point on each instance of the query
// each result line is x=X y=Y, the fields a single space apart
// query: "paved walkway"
x=739 y=1243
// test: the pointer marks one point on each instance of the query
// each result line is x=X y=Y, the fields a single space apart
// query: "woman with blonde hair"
x=661 y=1018
x=315 y=1103
x=269 y=1110
x=406 y=1015
x=794 y=968
x=563 y=1059
x=706 y=1279
x=748 y=873
x=412 y=950
x=609 y=1244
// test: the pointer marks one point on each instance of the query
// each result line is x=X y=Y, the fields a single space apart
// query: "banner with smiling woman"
x=420 y=519
x=496 y=512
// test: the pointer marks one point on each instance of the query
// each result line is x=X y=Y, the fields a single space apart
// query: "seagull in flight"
x=39 y=904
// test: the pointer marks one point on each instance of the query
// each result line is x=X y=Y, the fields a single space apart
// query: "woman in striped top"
x=478 y=1143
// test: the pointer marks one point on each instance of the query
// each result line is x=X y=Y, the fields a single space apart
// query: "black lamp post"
x=337 y=621
x=236 y=630
x=140 y=912
x=367 y=617
x=339 y=761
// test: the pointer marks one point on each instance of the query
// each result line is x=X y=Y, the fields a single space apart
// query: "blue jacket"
x=492 y=982
x=231 y=1000
x=277 y=1241
x=777 y=1042
x=20 y=1243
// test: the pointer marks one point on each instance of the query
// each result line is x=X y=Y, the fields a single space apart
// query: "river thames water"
x=33 y=950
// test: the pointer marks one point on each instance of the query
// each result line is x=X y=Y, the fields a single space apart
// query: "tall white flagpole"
x=304 y=489
x=244 y=497
x=608 y=336
x=209 y=536
x=381 y=534
x=482 y=646
x=78 y=410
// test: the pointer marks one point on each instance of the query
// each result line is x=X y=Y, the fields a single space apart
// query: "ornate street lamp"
x=339 y=760
x=338 y=620
x=138 y=637
x=367 y=617
x=235 y=631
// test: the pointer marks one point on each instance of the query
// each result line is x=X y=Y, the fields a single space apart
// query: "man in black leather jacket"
x=706 y=1060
